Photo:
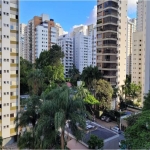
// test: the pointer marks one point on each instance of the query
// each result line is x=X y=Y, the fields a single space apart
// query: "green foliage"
x=54 y=73
x=25 y=69
x=95 y=142
x=89 y=74
x=146 y=103
x=36 y=81
x=1 y=142
x=50 y=58
x=31 y=115
x=90 y=99
x=132 y=119
x=138 y=134
x=59 y=107
x=103 y=92
x=74 y=75
x=26 y=141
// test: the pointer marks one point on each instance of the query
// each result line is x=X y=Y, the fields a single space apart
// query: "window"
x=7 y=60
x=7 y=115
x=7 y=93
x=7 y=126
x=7 y=71
x=7 y=104
x=4 y=71
x=16 y=71
x=11 y=115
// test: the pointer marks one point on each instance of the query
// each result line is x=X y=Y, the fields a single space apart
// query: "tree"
x=54 y=73
x=1 y=142
x=25 y=68
x=36 y=81
x=52 y=57
x=135 y=91
x=132 y=119
x=138 y=135
x=146 y=103
x=95 y=142
x=30 y=116
x=74 y=75
x=103 y=92
x=61 y=108
x=89 y=74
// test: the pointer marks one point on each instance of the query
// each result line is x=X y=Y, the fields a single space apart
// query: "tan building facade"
x=9 y=72
x=111 y=40
x=31 y=35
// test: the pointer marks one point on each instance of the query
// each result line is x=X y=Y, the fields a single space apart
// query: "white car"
x=89 y=127
x=116 y=129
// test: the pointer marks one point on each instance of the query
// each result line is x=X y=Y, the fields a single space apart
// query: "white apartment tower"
x=66 y=44
x=84 y=46
x=22 y=29
x=82 y=51
x=131 y=27
x=9 y=73
x=141 y=46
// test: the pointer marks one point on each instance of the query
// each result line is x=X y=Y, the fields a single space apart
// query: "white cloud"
x=93 y=16
x=65 y=32
x=75 y=26
x=132 y=6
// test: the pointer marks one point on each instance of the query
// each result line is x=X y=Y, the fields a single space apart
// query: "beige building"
x=141 y=45
x=40 y=35
x=131 y=28
x=22 y=29
x=9 y=73
x=111 y=40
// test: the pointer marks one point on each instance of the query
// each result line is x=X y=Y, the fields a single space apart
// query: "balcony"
x=109 y=67
x=110 y=51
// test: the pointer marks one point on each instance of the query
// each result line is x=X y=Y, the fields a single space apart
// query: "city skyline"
x=74 y=8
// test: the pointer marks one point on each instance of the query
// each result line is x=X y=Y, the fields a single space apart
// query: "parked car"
x=116 y=129
x=103 y=118
x=108 y=119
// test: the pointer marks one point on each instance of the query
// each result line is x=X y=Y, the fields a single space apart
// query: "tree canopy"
x=138 y=134
x=89 y=74
x=103 y=92
x=25 y=68
x=146 y=103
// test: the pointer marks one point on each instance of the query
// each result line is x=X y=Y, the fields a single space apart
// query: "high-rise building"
x=92 y=32
x=59 y=29
x=22 y=29
x=40 y=35
x=85 y=39
x=82 y=50
x=131 y=27
x=111 y=40
x=66 y=44
x=141 y=44
x=10 y=66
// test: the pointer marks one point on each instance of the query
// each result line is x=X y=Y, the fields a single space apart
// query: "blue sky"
x=66 y=13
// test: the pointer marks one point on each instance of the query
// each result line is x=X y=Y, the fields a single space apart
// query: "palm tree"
x=36 y=81
x=59 y=110
x=30 y=116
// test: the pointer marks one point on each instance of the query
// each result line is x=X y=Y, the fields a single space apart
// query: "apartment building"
x=131 y=28
x=59 y=29
x=141 y=46
x=82 y=50
x=84 y=38
x=111 y=40
x=40 y=35
x=66 y=44
x=22 y=29
x=92 y=32
x=9 y=73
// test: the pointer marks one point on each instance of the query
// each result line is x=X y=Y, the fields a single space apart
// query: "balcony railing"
x=109 y=44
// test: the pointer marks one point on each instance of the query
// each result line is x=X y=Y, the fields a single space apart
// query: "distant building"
x=40 y=35
x=66 y=44
x=22 y=29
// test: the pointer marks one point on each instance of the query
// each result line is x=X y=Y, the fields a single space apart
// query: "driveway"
x=105 y=124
